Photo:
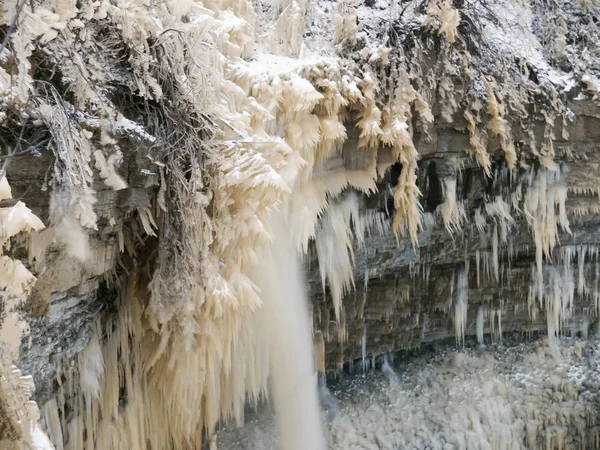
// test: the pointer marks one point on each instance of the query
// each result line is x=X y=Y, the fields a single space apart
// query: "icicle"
x=21 y=415
x=545 y=194
x=495 y=253
x=452 y=211
x=556 y=295
x=581 y=289
x=499 y=314
x=460 y=308
x=334 y=242
x=479 y=325
x=364 y=349
x=480 y=222
x=477 y=263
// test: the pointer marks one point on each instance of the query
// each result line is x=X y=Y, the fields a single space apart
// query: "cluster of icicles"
x=279 y=120
x=22 y=421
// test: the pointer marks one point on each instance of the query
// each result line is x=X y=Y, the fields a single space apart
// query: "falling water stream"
x=286 y=328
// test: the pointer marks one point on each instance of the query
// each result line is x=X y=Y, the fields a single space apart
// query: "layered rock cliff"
x=436 y=162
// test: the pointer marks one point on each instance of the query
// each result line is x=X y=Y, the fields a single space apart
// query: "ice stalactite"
x=319 y=346
x=581 y=254
x=499 y=315
x=544 y=209
x=501 y=215
x=477 y=142
x=334 y=241
x=479 y=325
x=452 y=210
x=461 y=304
x=364 y=349
x=396 y=134
x=495 y=318
x=443 y=17
x=556 y=296
x=345 y=23
x=498 y=124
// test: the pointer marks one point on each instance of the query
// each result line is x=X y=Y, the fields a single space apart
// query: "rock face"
x=438 y=162
x=406 y=295
x=71 y=297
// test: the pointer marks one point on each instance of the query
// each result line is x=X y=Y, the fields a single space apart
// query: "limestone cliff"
x=436 y=162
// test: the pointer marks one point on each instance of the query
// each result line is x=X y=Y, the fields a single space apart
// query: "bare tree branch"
x=13 y=26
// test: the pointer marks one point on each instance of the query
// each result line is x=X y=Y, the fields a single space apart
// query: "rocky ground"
x=511 y=396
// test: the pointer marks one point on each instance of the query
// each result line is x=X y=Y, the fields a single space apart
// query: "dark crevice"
x=435 y=195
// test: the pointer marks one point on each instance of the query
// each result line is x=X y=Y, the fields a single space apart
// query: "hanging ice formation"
x=273 y=122
x=16 y=282
x=242 y=116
